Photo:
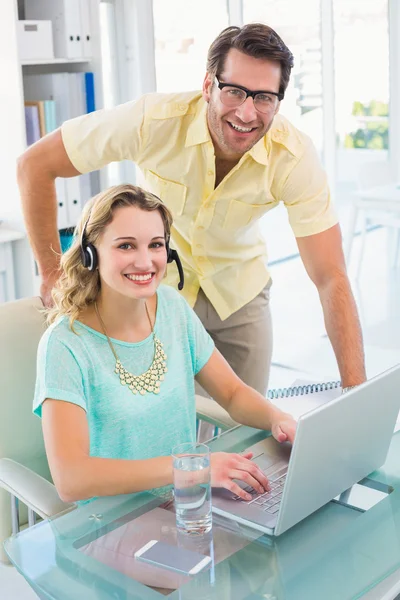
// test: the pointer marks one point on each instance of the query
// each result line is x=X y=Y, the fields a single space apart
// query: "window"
x=361 y=73
x=298 y=24
x=184 y=30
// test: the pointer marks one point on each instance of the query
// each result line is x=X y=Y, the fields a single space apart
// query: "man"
x=220 y=160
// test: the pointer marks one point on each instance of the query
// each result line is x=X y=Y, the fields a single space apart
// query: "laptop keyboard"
x=269 y=501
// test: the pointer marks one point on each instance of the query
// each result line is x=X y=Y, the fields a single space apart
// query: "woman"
x=116 y=367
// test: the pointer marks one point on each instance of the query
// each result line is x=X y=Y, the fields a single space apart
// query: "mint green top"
x=79 y=368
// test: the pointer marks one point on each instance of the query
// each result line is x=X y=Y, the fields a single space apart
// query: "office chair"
x=24 y=472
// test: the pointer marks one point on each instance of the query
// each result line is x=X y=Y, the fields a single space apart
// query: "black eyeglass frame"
x=253 y=95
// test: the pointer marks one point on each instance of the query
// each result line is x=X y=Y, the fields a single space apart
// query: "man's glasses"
x=235 y=95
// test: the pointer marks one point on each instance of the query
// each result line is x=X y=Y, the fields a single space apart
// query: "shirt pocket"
x=241 y=214
x=171 y=193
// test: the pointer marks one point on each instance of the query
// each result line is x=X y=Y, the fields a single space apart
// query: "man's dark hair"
x=256 y=40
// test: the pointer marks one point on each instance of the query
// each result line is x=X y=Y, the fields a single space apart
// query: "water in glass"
x=192 y=490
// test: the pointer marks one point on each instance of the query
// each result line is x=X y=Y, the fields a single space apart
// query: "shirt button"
x=201 y=259
x=199 y=245
x=200 y=227
x=182 y=107
x=210 y=173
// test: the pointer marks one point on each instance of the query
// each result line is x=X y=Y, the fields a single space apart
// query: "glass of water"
x=192 y=488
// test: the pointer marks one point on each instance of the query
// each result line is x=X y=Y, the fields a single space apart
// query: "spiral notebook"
x=304 y=396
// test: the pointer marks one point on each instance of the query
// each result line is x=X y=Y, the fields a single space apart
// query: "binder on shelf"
x=74 y=203
x=77 y=94
x=66 y=18
x=95 y=183
x=90 y=96
x=86 y=29
x=62 y=213
x=85 y=188
x=81 y=94
x=73 y=109
x=41 y=115
x=50 y=116
x=32 y=124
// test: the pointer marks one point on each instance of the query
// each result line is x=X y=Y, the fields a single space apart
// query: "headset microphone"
x=172 y=255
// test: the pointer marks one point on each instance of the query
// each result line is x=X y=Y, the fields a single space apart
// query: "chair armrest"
x=30 y=488
x=209 y=410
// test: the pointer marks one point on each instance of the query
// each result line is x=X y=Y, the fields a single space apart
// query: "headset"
x=90 y=259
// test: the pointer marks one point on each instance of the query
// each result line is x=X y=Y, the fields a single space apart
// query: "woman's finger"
x=247 y=478
x=247 y=455
x=254 y=470
x=236 y=489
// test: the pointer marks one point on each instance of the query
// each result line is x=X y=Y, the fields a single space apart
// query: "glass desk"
x=335 y=554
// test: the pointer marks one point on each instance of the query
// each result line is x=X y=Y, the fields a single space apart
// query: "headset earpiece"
x=91 y=261
x=88 y=252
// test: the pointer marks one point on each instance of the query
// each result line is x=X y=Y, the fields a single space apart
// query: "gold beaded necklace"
x=148 y=381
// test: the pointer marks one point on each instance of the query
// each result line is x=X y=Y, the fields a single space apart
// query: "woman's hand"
x=283 y=427
x=225 y=467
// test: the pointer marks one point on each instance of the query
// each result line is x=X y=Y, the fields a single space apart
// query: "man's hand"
x=225 y=467
x=45 y=294
x=283 y=427
x=46 y=288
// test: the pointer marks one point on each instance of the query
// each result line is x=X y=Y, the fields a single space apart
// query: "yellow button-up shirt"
x=215 y=230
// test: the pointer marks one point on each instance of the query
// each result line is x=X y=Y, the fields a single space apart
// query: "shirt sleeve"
x=201 y=343
x=104 y=136
x=59 y=375
x=305 y=193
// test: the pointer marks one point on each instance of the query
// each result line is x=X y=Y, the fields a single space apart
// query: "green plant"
x=375 y=108
x=373 y=134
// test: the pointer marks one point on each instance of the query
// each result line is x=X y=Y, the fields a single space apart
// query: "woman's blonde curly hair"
x=78 y=287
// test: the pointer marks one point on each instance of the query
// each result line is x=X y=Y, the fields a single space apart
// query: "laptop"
x=336 y=445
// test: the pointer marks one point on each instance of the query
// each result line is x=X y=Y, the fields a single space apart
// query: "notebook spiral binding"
x=301 y=390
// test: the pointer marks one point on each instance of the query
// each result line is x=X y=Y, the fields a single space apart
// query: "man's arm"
x=38 y=168
x=323 y=259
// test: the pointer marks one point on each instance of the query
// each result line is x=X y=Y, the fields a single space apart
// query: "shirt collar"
x=259 y=152
x=197 y=132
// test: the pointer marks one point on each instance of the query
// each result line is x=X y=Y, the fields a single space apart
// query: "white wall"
x=12 y=136
x=12 y=132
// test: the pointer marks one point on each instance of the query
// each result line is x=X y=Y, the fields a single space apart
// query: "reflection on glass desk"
x=335 y=554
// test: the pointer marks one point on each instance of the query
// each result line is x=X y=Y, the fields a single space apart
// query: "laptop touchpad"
x=264 y=461
x=269 y=452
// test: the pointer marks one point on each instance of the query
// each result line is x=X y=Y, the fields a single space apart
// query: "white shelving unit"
x=55 y=61
x=12 y=123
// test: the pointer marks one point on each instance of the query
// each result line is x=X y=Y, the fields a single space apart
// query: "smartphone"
x=364 y=495
x=173 y=557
